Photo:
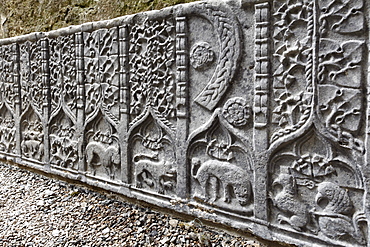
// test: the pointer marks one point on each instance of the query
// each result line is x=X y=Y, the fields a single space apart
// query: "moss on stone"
x=19 y=17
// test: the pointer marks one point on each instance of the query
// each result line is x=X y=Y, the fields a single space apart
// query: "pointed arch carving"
x=63 y=141
x=221 y=170
x=152 y=155
x=32 y=130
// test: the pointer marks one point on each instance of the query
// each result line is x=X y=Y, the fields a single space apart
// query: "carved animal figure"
x=99 y=154
x=32 y=145
x=152 y=172
x=287 y=201
x=231 y=177
x=333 y=220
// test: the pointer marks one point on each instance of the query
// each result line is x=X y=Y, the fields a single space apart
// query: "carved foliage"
x=342 y=17
x=102 y=151
x=220 y=166
x=63 y=83
x=152 y=156
x=151 y=69
x=8 y=89
x=102 y=73
x=31 y=76
x=340 y=91
x=293 y=73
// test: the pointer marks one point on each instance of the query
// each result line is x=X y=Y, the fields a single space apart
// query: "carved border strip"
x=182 y=81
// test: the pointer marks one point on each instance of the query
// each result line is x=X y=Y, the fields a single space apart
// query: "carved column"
x=80 y=99
x=46 y=94
x=124 y=102
x=16 y=81
x=181 y=105
x=261 y=94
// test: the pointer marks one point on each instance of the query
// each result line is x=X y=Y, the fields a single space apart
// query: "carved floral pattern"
x=101 y=71
x=236 y=111
x=201 y=55
x=292 y=86
x=8 y=92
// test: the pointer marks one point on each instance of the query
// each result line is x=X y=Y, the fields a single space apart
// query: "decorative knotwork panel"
x=249 y=113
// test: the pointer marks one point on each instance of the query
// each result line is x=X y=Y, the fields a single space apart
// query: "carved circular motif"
x=236 y=111
x=201 y=55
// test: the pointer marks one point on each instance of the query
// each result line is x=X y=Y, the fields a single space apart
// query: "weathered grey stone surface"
x=249 y=113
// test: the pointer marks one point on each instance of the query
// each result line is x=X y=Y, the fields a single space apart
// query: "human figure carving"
x=287 y=201
x=231 y=177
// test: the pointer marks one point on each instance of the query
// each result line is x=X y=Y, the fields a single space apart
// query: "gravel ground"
x=39 y=211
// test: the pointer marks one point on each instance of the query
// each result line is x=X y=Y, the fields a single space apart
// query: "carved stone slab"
x=253 y=114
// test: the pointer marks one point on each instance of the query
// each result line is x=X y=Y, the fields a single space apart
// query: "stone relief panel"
x=152 y=68
x=152 y=155
x=8 y=95
x=63 y=81
x=220 y=164
x=318 y=190
x=32 y=145
x=63 y=142
x=63 y=102
x=318 y=89
x=32 y=101
x=251 y=113
x=101 y=74
x=152 y=72
x=102 y=152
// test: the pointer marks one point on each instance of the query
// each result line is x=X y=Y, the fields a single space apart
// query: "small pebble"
x=173 y=223
x=52 y=213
